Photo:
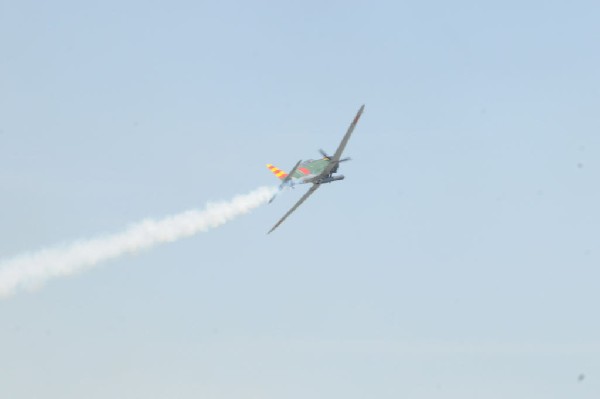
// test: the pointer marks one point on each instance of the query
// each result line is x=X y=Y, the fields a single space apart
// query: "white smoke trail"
x=32 y=269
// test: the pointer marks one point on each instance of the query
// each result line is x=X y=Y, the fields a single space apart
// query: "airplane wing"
x=338 y=153
x=304 y=197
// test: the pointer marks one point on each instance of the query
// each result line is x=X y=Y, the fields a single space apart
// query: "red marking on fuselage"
x=304 y=171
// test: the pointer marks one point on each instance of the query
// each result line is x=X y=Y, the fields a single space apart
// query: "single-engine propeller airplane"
x=317 y=172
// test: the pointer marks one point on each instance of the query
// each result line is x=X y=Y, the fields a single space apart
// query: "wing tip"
x=358 y=114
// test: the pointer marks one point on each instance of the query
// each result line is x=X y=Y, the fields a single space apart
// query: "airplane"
x=317 y=172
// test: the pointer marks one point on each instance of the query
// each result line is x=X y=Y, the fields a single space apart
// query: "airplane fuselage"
x=311 y=167
x=309 y=171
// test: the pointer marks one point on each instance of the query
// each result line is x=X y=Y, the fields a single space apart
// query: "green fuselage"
x=310 y=168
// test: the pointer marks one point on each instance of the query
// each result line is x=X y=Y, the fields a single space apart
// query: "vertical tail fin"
x=286 y=179
x=277 y=172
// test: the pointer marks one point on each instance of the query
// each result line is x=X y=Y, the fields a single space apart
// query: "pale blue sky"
x=458 y=259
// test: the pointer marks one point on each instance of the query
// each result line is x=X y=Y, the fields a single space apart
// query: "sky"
x=458 y=259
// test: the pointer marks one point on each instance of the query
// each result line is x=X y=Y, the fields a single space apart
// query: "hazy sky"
x=459 y=258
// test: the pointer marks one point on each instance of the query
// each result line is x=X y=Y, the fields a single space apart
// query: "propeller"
x=324 y=154
x=328 y=157
x=337 y=164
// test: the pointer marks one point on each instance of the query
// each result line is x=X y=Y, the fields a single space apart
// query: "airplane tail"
x=286 y=179
x=277 y=172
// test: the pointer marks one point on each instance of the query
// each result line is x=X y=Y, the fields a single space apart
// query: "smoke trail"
x=33 y=269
